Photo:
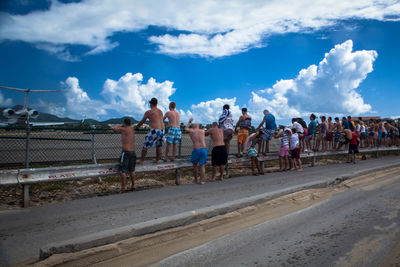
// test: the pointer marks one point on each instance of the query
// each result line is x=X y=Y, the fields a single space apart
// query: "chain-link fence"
x=61 y=145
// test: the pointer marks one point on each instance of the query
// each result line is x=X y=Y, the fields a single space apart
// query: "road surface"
x=24 y=231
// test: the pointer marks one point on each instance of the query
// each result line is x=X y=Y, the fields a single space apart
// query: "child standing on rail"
x=295 y=161
x=251 y=142
x=284 y=150
x=353 y=148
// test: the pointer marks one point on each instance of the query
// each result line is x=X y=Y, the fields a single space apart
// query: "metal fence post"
x=313 y=161
x=27 y=159
x=262 y=166
x=180 y=149
x=178 y=176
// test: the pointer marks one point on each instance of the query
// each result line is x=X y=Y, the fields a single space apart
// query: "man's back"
x=128 y=138
x=173 y=118
x=198 y=138
x=156 y=118
x=217 y=136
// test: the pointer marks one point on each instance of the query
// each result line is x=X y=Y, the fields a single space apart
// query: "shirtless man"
x=174 y=134
x=156 y=132
x=199 y=153
x=219 y=156
x=347 y=134
x=128 y=155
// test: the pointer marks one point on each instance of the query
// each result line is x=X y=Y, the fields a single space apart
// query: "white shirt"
x=298 y=127
x=294 y=140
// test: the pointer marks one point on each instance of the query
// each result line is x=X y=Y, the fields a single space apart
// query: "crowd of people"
x=326 y=134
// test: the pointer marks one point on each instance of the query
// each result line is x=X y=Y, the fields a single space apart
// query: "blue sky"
x=109 y=57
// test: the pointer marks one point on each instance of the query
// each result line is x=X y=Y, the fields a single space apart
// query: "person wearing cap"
x=156 y=132
x=269 y=130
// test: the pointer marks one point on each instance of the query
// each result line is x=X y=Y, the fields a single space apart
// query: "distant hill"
x=46 y=117
x=119 y=120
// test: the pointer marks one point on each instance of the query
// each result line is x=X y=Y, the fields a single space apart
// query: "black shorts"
x=127 y=162
x=219 y=156
x=353 y=148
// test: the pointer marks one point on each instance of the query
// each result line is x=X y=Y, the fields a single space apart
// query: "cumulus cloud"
x=5 y=102
x=130 y=96
x=205 y=28
x=126 y=96
x=329 y=87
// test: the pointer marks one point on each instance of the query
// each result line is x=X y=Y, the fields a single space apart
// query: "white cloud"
x=61 y=51
x=328 y=88
x=78 y=104
x=5 y=102
x=211 y=28
x=130 y=96
x=126 y=96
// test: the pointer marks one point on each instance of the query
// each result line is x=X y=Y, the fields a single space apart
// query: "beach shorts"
x=127 y=161
x=295 y=153
x=154 y=136
x=363 y=136
x=219 y=156
x=329 y=136
x=199 y=156
x=372 y=133
x=309 y=137
x=228 y=134
x=305 y=133
x=379 y=135
x=337 y=136
x=242 y=136
x=252 y=152
x=284 y=151
x=353 y=148
x=174 y=135
x=268 y=134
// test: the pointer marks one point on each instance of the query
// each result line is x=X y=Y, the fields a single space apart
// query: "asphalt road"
x=24 y=231
x=358 y=227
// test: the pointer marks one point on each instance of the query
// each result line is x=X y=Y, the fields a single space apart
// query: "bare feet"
x=299 y=170
x=195 y=181
x=202 y=182
x=172 y=159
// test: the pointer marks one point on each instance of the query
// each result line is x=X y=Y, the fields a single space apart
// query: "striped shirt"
x=285 y=139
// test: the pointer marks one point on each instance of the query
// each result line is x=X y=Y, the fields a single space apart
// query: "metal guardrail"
x=53 y=174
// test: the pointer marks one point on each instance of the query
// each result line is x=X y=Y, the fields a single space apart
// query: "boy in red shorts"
x=353 y=148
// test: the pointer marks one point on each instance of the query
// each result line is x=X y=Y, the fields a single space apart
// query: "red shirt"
x=354 y=137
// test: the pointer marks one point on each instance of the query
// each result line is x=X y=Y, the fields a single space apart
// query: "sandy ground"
x=149 y=250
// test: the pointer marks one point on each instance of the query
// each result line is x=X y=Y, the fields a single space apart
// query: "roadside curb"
x=188 y=217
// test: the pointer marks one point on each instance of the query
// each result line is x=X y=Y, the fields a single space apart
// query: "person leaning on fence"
x=284 y=149
x=199 y=153
x=353 y=148
x=252 y=140
x=226 y=123
x=244 y=124
x=295 y=161
x=311 y=130
x=269 y=130
x=156 y=132
x=128 y=155
x=174 y=134
x=219 y=157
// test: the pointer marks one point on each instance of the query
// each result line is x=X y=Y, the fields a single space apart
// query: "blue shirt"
x=311 y=127
x=269 y=121
x=345 y=124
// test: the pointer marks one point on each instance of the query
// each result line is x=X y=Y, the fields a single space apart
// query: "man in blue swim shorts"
x=199 y=153
x=174 y=134
x=156 y=132
x=270 y=126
